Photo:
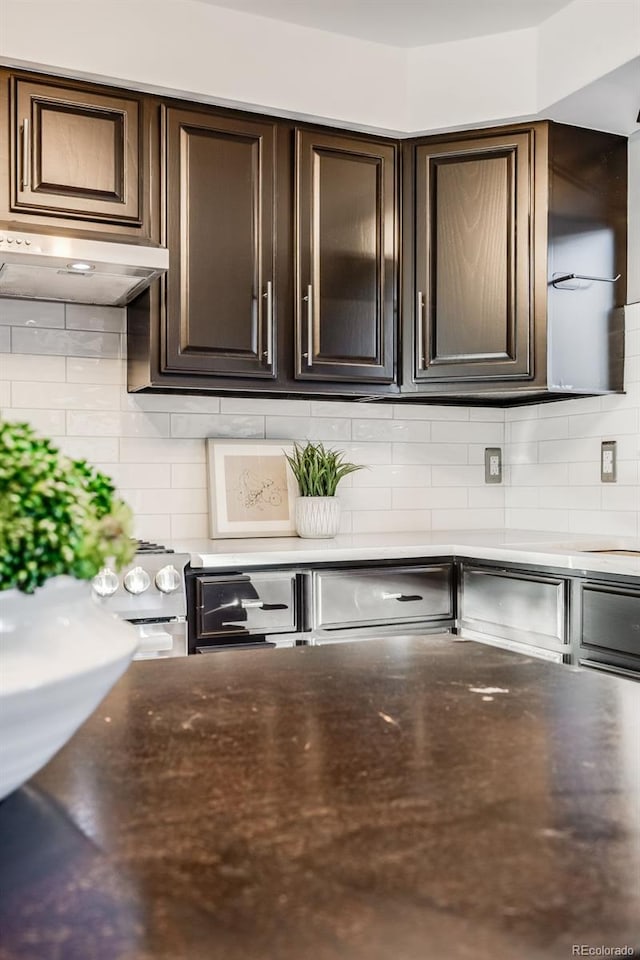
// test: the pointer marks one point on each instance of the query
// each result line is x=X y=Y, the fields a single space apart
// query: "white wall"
x=213 y=53
x=62 y=369
x=229 y=57
x=472 y=81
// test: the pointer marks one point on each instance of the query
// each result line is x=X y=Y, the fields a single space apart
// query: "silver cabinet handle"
x=402 y=597
x=268 y=296
x=420 y=328
x=309 y=302
x=251 y=604
x=26 y=154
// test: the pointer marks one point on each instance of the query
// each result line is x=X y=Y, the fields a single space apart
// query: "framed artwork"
x=252 y=490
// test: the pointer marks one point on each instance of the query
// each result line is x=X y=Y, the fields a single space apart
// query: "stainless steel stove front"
x=150 y=593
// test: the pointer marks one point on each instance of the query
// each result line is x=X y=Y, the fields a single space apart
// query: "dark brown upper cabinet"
x=346 y=258
x=78 y=157
x=492 y=220
x=219 y=317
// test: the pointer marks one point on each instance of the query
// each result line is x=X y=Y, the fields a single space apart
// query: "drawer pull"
x=261 y=605
x=402 y=597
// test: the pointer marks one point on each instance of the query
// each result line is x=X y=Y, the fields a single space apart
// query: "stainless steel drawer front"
x=611 y=619
x=355 y=598
x=524 y=608
x=243 y=605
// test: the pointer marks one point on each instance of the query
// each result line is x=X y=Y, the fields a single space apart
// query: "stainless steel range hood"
x=38 y=267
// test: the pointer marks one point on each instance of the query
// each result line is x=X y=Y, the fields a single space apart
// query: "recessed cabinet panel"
x=220 y=222
x=346 y=259
x=472 y=240
x=472 y=297
x=76 y=154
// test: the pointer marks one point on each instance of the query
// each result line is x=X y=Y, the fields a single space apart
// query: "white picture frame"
x=251 y=489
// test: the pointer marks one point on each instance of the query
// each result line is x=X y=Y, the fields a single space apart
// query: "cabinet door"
x=220 y=222
x=472 y=301
x=76 y=153
x=346 y=258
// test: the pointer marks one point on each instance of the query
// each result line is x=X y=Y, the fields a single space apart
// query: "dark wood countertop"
x=368 y=801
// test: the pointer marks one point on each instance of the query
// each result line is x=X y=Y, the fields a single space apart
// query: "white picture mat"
x=220 y=524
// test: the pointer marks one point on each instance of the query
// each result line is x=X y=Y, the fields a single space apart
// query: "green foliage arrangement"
x=317 y=470
x=57 y=516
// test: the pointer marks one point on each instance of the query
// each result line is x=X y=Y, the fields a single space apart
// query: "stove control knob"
x=137 y=580
x=105 y=583
x=168 y=579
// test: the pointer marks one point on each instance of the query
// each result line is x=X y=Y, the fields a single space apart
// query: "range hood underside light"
x=28 y=282
x=77 y=271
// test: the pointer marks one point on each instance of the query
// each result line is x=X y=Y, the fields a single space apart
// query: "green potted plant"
x=318 y=472
x=60 y=523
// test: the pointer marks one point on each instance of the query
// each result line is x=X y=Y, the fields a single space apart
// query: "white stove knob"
x=168 y=579
x=105 y=583
x=137 y=580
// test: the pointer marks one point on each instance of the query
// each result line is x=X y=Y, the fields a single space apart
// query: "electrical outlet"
x=493 y=465
x=608 y=462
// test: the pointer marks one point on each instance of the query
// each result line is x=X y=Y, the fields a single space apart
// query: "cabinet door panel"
x=76 y=154
x=346 y=271
x=473 y=259
x=219 y=224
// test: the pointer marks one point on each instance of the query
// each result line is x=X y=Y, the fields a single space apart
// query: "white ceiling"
x=404 y=23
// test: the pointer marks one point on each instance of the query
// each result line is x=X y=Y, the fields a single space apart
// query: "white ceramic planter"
x=317 y=518
x=60 y=653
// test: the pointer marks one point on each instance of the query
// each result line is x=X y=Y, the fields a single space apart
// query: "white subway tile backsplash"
x=143 y=476
x=95 y=370
x=602 y=425
x=134 y=450
x=614 y=523
x=32 y=368
x=429 y=412
x=107 y=319
x=394 y=475
x=468 y=519
x=166 y=500
x=266 y=406
x=64 y=370
x=65 y=343
x=191 y=476
x=371 y=498
x=615 y=497
x=434 y=453
x=454 y=432
x=186 y=526
x=408 y=431
x=216 y=425
x=428 y=498
x=457 y=476
x=380 y=521
x=340 y=408
x=102 y=450
x=530 y=431
x=66 y=396
x=538 y=519
x=31 y=313
x=491 y=497
x=48 y=423
x=159 y=403
x=326 y=429
x=154 y=527
x=116 y=424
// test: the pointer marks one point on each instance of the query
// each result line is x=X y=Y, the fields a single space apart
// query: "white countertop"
x=513 y=546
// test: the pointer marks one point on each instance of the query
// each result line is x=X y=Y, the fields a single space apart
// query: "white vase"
x=317 y=518
x=60 y=653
